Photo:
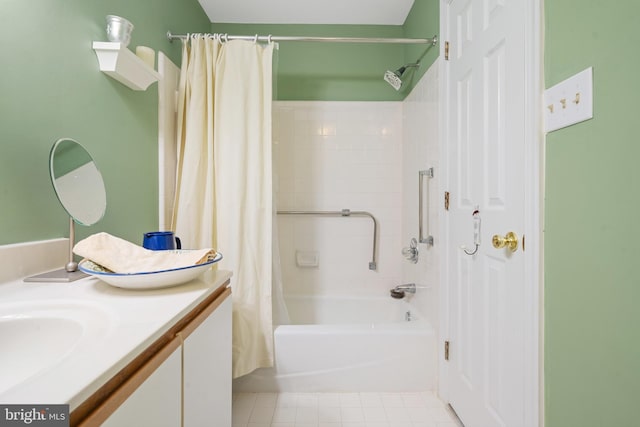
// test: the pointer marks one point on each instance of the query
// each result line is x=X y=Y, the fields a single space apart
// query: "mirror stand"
x=70 y=272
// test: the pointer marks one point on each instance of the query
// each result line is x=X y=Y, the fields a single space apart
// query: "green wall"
x=347 y=71
x=329 y=71
x=51 y=87
x=592 y=236
x=423 y=22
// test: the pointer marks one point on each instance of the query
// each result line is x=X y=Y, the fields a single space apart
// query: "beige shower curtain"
x=224 y=178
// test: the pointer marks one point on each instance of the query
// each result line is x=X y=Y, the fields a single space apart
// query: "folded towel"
x=121 y=256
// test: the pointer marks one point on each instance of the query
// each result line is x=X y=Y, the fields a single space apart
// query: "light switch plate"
x=569 y=102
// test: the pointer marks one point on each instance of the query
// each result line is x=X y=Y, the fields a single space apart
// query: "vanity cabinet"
x=156 y=403
x=207 y=371
x=182 y=379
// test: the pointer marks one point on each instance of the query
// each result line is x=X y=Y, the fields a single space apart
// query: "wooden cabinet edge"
x=101 y=404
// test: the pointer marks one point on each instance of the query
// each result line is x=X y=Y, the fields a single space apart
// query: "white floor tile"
x=340 y=410
x=328 y=400
x=306 y=415
x=398 y=415
x=329 y=414
x=287 y=400
x=441 y=414
x=352 y=414
x=261 y=414
x=307 y=400
x=412 y=400
x=374 y=414
x=371 y=400
x=244 y=398
x=284 y=414
x=350 y=400
x=266 y=399
x=392 y=400
x=431 y=400
x=241 y=414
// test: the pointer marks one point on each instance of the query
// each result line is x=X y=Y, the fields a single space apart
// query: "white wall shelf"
x=123 y=65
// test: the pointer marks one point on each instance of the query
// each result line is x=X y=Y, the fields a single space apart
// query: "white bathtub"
x=348 y=344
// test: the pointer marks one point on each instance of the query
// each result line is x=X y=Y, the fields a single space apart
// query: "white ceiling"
x=357 y=12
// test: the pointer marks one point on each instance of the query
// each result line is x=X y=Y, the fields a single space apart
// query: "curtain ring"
x=255 y=39
x=269 y=39
x=226 y=37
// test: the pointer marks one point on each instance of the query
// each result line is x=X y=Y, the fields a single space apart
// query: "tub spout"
x=400 y=291
x=409 y=287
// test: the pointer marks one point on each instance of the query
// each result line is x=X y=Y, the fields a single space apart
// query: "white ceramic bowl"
x=148 y=279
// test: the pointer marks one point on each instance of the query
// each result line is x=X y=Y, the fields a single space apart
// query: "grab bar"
x=345 y=212
x=421 y=175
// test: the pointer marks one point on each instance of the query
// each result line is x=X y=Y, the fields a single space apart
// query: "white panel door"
x=486 y=95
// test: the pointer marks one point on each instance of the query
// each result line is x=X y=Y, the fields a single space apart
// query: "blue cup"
x=160 y=241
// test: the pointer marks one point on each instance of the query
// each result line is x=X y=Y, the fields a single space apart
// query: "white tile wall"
x=420 y=151
x=358 y=156
x=334 y=156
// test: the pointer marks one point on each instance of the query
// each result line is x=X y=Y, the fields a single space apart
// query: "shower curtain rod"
x=256 y=38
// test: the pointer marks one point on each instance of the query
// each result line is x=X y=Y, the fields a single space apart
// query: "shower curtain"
x=224 y=185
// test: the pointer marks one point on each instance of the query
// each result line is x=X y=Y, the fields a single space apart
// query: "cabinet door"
x=207 y=371
x=156 y=402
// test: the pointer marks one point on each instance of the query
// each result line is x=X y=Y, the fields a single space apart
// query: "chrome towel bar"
x=421 y=238
x=373 y=265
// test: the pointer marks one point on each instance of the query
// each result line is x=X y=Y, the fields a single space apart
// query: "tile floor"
x=341 y=410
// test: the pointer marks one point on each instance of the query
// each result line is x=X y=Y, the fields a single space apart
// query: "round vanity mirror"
x=79 y=187
x=77 y=182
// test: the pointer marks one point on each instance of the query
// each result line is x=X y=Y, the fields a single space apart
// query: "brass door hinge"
x=446 y=200
x=446 y=350
x=446 y=51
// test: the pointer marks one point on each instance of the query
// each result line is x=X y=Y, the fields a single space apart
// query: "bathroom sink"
x=36 y=336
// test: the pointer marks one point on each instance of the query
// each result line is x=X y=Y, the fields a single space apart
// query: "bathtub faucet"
x=400 y=291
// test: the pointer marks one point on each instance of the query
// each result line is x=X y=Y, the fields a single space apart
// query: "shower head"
x=394 y=78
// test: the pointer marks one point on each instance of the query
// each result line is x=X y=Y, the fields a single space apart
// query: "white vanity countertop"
x=124 y=323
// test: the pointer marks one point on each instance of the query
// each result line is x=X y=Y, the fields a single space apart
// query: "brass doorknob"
x=509 y=241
